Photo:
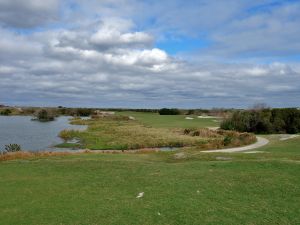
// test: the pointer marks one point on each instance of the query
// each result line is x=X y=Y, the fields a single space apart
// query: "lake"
x=33 y=135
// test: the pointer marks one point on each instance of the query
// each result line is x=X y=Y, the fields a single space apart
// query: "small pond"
x=33 y=135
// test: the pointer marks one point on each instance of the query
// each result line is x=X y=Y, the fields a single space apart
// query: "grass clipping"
x=121 y=133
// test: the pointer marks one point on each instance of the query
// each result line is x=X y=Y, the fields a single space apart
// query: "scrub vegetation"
x=44 y=115
x=5 y=112
x=264 y=121
x=119 y=132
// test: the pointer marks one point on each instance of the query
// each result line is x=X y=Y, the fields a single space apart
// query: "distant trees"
x=12 y=148
x=5 y=112
x=264 y=121
x=84 y=111
x=44 y=115
x=166 y=111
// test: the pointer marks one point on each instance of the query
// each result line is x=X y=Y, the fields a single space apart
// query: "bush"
x=65 y=135
x=227 y=140
x=44 y=115
x=264 y=121
x=227 y=125
x=84 y=112
x=12 y=148
x=5 y=112
x=190 y=112
x=68 y=135
x=166 y=111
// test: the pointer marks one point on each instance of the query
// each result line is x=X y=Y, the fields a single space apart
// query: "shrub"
x=227 y=140
x=166 y=111
x=204 y=132
x=65 y=135
x=44 y=115
x=2 y=153
x=264 y=121
x=5 y=112
x=227 y=125
x=190 y=112
x=12 y=148
x=187 y=131
x=84 y=112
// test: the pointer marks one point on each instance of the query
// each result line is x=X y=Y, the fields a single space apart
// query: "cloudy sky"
x=150 y=53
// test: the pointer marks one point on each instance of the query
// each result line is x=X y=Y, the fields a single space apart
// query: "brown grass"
x=221 y=138
x=118 y=132
x=28 y=155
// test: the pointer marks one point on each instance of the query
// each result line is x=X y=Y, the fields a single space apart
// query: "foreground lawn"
x=200 y=189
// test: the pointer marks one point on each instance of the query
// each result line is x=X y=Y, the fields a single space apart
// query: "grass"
x=120 y=133
x=174 y=121
x=203 y=188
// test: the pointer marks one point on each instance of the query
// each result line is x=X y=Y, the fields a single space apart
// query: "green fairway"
x=203 y=188
x=173 y=121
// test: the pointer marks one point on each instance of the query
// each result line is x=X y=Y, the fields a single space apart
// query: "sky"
x=150 y=54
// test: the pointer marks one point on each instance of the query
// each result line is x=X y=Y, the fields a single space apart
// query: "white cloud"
x=257 y=71
x=111 y=61
x=114 y=39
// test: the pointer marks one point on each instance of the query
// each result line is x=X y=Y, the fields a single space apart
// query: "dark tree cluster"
x=44 y=115
x=166 y=111
x=264 y=121
x=5 y=112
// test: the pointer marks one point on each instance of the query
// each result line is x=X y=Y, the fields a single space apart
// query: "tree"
x=166 y=111
x=44 y=115
x=285 y=120
x=5 y=112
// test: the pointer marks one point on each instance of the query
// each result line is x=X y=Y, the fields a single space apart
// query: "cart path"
x=260 y=142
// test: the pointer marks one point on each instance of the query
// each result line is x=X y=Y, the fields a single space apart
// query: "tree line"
x=264 y=121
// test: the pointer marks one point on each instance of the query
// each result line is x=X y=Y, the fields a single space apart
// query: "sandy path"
x=288 y=136
x=260 y=142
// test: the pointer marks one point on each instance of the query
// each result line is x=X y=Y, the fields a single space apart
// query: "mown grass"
x=172 y=121
x=250 y=189
x=121 y=133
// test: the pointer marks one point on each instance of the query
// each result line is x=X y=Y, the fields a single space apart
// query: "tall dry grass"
x=221 y=138
x=28 y=155
x=118 y=132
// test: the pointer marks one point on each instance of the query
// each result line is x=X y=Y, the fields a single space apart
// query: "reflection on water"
x=32 y=135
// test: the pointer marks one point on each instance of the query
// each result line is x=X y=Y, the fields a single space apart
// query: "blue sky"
x=130 y=53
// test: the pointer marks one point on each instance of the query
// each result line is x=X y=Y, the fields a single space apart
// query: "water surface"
x=32 y=135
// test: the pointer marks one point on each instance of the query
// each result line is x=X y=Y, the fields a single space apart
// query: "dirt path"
x=288 y=136
x=260 y=142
